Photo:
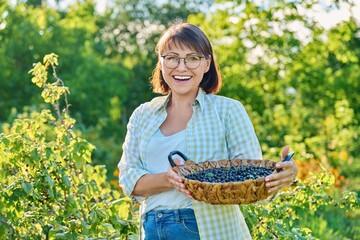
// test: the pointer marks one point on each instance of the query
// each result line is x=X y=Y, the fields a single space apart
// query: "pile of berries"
x=231 y=174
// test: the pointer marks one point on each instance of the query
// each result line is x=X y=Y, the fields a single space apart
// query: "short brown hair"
x=193 y=37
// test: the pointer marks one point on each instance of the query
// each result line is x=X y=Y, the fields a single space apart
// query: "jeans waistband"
x=170 y=215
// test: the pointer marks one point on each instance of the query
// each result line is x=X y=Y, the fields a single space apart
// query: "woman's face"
x=183 y=79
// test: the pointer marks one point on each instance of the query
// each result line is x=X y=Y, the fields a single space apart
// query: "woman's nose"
x=182 y=64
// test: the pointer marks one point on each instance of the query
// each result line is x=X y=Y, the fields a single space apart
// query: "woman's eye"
x=192 y=59
x=172 y=59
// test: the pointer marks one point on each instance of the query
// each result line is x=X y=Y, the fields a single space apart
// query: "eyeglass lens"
x=191 y=62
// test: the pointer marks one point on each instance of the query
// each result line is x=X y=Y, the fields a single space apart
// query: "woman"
x=204 y=126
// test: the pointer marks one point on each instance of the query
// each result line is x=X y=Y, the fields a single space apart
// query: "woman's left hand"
x=277 y=180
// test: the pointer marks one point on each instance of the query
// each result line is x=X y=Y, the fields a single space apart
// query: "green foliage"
x=28 y=32
x=301 y=91
x=298 y=81
x=48 y=186
x=299 y=212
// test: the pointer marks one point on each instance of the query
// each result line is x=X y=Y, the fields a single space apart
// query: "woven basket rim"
x=200 y=166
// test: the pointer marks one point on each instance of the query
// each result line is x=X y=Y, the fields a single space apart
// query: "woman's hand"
x=176 y=181
x=283 y=178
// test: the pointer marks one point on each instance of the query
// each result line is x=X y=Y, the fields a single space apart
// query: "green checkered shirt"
x=218 y=129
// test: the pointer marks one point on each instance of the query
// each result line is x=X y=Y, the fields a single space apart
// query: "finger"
x=173 y=174
x=277 y=185
x=275 y=189
x=283 y=176
x=284 y=165
x=276 y=176
x=178 y=162
x=176 y=181
x=289 y=169
x=180 y=186
x=176 y=184
x=186 y=193
x=279 y=181
x=284 y=152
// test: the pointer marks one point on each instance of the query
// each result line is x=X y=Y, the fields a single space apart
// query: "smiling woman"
x=196 y=48
x=191 y=119
x=183 y=78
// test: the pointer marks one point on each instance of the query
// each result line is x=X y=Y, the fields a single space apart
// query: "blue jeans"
x=176 y=224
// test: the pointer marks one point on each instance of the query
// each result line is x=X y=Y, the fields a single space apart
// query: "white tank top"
x=156 y=159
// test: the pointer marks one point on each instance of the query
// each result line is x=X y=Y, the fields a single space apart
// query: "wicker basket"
x=245 y=192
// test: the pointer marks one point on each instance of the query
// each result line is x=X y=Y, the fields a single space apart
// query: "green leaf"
x=28 y=188
x=93 y=218
x=49 y=181
x=50 y=192
x=101 y=212
x=66 y=181
x=4 y=140
x=52 y=58
x=62 y=236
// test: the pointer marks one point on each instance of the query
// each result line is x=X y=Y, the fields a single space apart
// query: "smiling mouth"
x=181 y=78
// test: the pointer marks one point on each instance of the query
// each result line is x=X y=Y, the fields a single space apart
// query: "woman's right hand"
x=176 y=181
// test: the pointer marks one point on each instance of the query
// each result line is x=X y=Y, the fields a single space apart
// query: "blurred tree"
x=35 y=3
x=28 y=32
x=298 y=81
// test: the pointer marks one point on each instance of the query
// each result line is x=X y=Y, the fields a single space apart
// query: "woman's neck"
x=181 y=101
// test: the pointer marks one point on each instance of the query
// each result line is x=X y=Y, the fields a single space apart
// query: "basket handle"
x=176 y=152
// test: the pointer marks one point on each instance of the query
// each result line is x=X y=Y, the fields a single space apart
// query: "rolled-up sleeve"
x=130 y=166
x=241 y=138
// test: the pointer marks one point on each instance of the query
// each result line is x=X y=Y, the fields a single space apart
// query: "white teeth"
x=182 y=77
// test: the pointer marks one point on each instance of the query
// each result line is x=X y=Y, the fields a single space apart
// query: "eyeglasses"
x=191 y=62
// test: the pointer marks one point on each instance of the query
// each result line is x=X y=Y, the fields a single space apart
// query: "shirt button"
x=159 y=215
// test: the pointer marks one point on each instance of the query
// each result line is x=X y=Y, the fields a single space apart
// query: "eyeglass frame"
x=179 y=59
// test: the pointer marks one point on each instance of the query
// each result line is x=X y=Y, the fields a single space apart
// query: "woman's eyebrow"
x=174 y=53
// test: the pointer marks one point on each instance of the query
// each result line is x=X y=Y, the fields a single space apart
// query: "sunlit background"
x=293 y=64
